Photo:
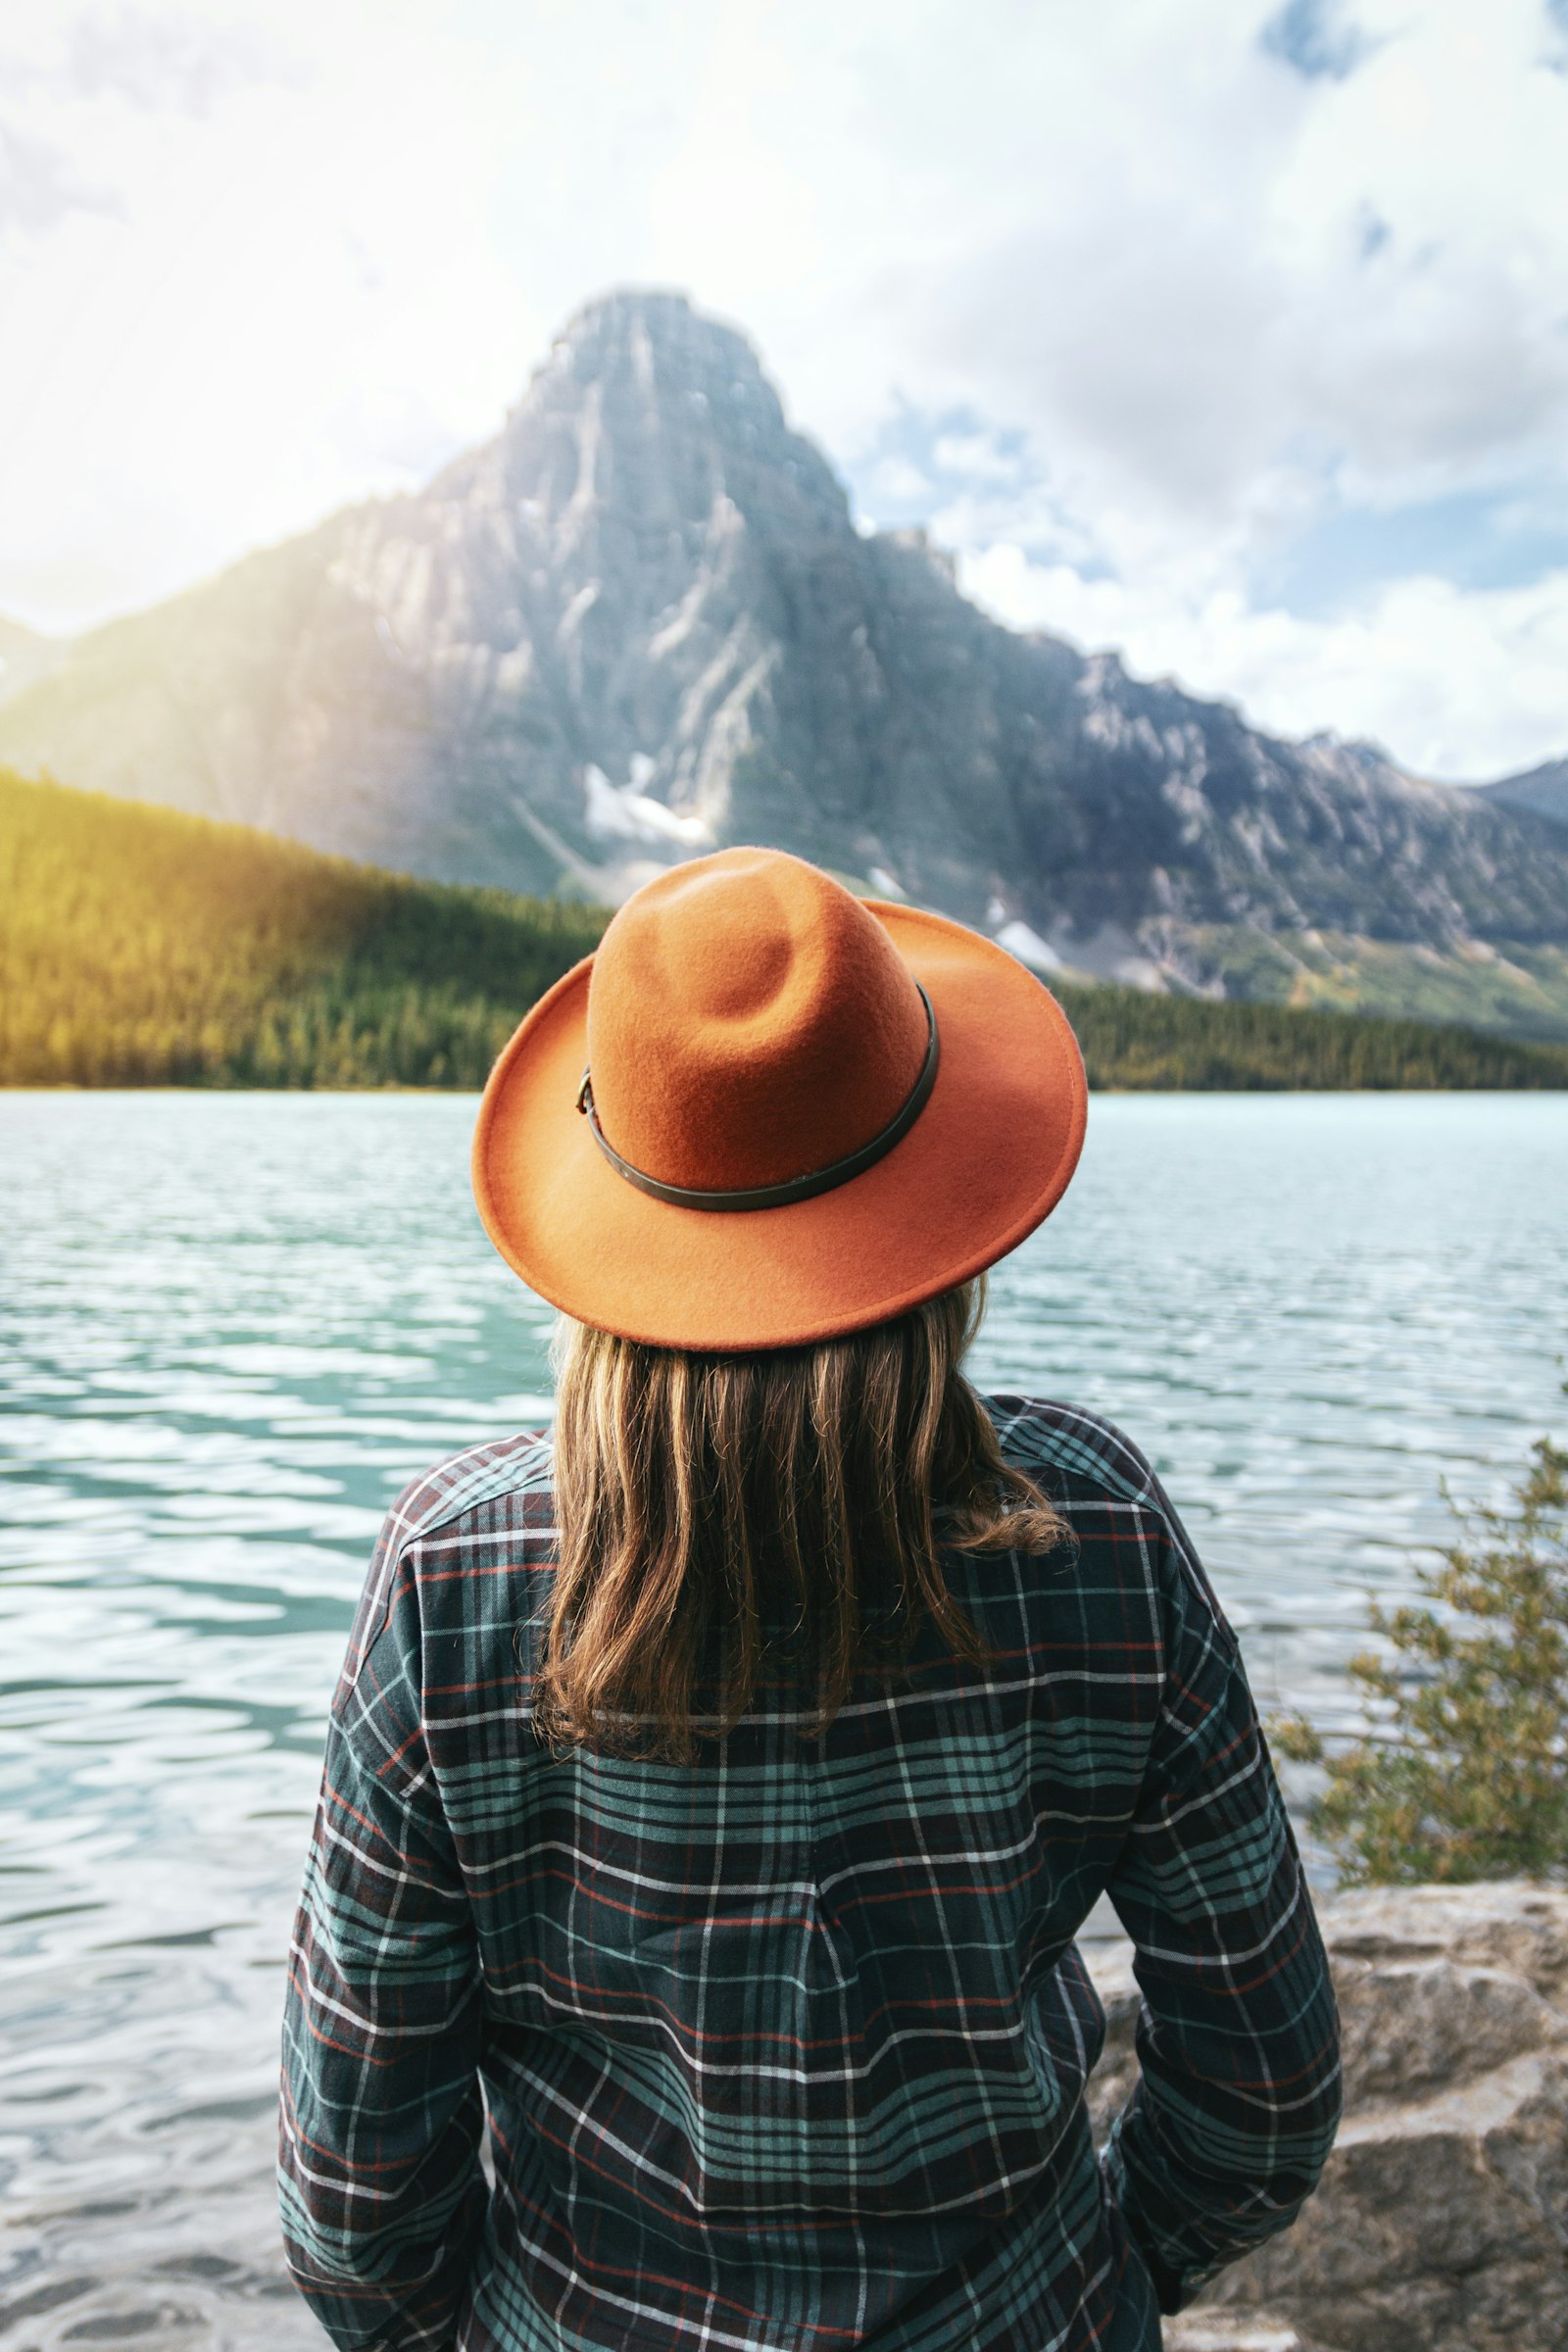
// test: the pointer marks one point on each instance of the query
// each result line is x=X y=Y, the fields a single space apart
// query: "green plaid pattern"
x=787 y=2048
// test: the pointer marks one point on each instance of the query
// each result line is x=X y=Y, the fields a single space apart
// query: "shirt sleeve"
x=382 y=2196
x=1234 y=2112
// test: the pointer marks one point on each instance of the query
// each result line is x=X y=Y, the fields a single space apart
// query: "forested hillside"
x=1133 y=1042
x=144 y=948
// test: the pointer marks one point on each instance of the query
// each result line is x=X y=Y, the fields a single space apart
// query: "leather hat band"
x=794 y=1188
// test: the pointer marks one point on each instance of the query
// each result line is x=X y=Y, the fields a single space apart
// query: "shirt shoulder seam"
x=1044 y=1431
x=505 y=1466
x=1069 y=1439
x=523 y=1464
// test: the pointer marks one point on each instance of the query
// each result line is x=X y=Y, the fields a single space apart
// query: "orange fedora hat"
x=768 y=1112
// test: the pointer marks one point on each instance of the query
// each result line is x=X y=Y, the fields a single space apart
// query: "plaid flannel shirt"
x=787 y=2047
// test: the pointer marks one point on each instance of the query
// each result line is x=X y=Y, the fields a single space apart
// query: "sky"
x=1232 y=335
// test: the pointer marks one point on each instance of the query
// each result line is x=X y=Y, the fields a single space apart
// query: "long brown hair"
x=698 y=1493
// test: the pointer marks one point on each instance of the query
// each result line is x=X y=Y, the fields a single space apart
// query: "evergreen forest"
x=141 y=947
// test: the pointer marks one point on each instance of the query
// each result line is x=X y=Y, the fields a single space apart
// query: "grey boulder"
x=1441 y=2221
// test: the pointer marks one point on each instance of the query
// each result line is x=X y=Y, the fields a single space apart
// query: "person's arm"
x=381 y=2191
x=1233 y=2118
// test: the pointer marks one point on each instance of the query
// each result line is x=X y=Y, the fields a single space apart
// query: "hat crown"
x=749 y=1021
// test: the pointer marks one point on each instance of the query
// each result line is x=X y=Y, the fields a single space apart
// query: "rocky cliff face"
x=641 y=624
x=1542 y=790
x=1441 y=2222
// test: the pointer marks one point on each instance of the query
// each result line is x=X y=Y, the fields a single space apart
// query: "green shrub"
x=1462 y=1772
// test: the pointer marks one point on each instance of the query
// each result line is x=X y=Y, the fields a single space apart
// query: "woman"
x=712 y=1794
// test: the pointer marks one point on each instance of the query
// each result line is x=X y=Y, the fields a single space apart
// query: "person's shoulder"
x=1065 y=1447
x=1090 y=1468
x=500 y=1493
x=486 y=1481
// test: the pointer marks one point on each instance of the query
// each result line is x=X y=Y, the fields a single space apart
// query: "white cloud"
x=1160 y=288
x=160 y=60
x=40 y=186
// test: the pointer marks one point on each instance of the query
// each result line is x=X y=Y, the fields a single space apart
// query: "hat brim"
x=986 y=1159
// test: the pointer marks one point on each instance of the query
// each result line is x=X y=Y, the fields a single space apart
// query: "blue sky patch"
x=1309 y=35
x=923 y=463
x=1477 y=539
x=920 y=461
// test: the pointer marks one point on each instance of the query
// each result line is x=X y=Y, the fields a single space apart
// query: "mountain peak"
x=639 y=324
x=640 y=347
x=639 y=622
x=648 y=410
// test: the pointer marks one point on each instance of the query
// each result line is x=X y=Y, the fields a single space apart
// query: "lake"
x=235 y=1324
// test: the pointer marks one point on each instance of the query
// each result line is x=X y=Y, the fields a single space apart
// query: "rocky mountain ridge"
x=1544 y=790
x=641 y=622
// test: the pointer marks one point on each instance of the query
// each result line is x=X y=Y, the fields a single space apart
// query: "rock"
x=1230 y=2332
x=1441 y=2221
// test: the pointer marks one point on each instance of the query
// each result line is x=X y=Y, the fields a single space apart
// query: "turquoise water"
x=233 y=1324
